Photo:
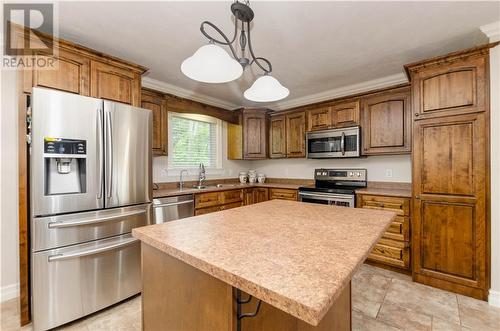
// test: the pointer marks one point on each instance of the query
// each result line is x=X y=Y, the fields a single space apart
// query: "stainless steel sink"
x=198 y=187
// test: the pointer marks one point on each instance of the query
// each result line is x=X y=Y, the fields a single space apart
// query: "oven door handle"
x=328 y=197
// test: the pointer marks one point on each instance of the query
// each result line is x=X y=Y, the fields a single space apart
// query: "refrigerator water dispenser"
x=65 y=166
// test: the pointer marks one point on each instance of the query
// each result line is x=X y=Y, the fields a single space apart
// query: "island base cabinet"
x=177 y=296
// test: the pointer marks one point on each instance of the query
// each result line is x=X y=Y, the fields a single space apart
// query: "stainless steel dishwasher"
x=173 y=208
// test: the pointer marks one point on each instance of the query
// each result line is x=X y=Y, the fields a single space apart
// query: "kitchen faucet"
x=181 y=179
x=201 y=174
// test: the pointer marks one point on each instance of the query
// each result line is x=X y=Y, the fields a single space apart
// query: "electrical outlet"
x=388 y=173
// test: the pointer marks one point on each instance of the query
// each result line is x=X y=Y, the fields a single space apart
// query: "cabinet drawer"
x=203 y=200
x=232 y=196
x=400 y=206
x=395 y=253
x=399 y=229
x=231 y=205
x=283 y=194
x=207 y=210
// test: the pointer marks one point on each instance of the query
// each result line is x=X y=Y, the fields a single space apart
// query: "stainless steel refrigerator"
x=90 y=184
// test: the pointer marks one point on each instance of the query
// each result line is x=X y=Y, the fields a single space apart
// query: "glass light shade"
x=211 y=64
x=266 y=89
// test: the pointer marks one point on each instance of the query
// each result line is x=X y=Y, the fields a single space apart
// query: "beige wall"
x=377 y=167
x=9 y=187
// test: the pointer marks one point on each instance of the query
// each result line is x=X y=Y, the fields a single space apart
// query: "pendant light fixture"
x=212 y=64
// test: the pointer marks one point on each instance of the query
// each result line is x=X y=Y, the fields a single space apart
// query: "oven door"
x=343 y=200
x=336 y=143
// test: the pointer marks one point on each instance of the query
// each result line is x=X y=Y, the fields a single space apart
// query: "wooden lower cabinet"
x=255 y=195
x=260 y=194
x=394 y=249
x=211 y=202
x=283 y=194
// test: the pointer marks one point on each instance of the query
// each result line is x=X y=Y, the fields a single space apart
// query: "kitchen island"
x=294 y=259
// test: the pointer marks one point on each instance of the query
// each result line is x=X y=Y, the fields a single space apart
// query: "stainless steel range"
x=334 y=187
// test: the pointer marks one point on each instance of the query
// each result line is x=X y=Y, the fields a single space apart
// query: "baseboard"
x=9 y=292
x=494 y=298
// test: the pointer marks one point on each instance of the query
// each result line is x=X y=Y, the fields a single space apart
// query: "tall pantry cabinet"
x=450 y=234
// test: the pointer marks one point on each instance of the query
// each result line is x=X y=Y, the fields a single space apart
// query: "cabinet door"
x=319 y=119
x=114 y=83
x=295 y=135
x=71 y=73
x=232 y=196
x=387 y=123
x=455 y=88
x=157 y=104
x=277 y=137
x=450 y=232
x=248 y=196
x=261 y=194
x=282 y=194
x=254 y=134
x=345 y=114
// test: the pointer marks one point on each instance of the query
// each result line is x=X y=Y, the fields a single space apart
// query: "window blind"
x=193 y=142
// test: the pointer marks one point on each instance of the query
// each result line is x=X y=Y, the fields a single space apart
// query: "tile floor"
x=382 y=301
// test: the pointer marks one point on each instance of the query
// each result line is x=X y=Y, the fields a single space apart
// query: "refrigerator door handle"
x=53 y=225
x=93 y=251
x=100 y=152
x=109 y=152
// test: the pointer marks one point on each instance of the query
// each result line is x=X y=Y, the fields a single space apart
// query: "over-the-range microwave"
x=334 y=143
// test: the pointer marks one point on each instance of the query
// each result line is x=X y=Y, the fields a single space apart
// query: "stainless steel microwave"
x=334 y=143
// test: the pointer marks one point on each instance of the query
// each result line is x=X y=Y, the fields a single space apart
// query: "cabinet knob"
x=417 y=197
x=416 y=114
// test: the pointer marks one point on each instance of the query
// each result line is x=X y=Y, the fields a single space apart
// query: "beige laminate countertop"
x=295 y=256
x=161 y=193
x=392 y=192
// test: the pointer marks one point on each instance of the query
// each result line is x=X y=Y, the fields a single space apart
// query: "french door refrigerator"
x=90 y=184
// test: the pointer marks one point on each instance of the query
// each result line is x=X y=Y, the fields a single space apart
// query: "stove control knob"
x=325 y=173
x=358 y=174
x=350 y=174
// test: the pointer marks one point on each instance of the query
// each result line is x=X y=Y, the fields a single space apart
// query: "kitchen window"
x=194 y=139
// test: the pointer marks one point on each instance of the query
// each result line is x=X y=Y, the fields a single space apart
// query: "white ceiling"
x=314 y=46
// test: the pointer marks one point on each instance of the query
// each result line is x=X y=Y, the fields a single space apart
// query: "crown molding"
x=160 y=86
x=343 y=91
x=492 y=31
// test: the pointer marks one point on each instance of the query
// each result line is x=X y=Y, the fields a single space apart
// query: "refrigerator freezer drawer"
x=70 y=229
x=74 y=281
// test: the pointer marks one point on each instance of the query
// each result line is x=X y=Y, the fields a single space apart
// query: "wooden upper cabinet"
x=386 y=123
x=254 y=134
x=115 y=83
x=158 y=105
x=277 y=137
x=319 y=119
x=71 y=73
x=457 y=88
x=295 y=134
x=345 y=114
